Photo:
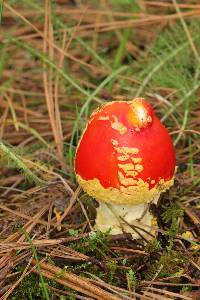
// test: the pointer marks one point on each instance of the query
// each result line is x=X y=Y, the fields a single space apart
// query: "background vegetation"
x=58 y=61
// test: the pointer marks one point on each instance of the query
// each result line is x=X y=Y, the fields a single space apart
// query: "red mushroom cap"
x=125 y=154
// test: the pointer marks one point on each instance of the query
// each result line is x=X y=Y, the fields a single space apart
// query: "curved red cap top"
x=123 y=143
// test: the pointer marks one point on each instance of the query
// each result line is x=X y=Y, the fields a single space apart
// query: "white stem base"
x=109 y=216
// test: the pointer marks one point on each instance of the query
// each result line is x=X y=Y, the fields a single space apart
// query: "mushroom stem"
x=120 y=218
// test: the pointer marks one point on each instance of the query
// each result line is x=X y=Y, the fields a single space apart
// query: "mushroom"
x=125 y=159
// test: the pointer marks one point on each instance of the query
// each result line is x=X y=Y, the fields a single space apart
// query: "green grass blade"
x=50 y=63
x=11 y=156
x=157 y=67
x=34 y=251
x=1 y=10
x=33 y=132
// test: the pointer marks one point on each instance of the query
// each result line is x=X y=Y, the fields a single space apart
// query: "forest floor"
x=59 y=60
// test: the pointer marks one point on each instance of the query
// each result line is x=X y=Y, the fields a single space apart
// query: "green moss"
x=29 y=288
x=131 y=278
x=153 y=246
x=169 y=264
x=95 y=244
x=187 y=288
x=171 y=217
x=172 y=212
x=112 y=267
x=73 y=232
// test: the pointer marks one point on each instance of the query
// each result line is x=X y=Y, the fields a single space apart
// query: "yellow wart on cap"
x=127 y=150
x=116 y=125
x=126 y=181
x=139 y=168
x=123 y=157
x=131 y=173
x=114 y=142
x=103 y=118
x=136 y=159
x=126 y=167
